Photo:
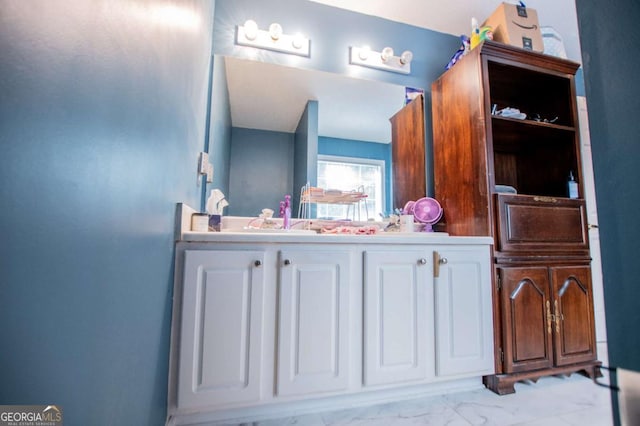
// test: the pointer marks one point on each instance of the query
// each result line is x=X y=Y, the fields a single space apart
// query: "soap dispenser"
x=572 y=186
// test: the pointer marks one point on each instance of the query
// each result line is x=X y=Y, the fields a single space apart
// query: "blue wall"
x=613 y=96
x=266 y=181
x=102 y=114
x=267 y=165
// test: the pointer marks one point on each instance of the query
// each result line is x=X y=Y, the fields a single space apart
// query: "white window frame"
x=362 y=161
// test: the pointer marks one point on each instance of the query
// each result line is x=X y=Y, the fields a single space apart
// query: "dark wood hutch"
x=543 y=301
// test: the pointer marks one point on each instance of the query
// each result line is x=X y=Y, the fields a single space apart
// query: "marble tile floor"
x=552 y=401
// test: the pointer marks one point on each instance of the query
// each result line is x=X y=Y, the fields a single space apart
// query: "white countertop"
x=184 y=234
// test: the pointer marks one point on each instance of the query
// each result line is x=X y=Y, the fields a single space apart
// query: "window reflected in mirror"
x=352 y=174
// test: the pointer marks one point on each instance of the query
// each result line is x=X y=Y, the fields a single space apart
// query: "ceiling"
x=272 y=97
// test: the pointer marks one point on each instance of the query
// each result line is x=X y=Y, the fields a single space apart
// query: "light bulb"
x=275 y=31
x=298 y=40
x=387 y=53
x=250 y=29
x=364 y=53
x=406 y=57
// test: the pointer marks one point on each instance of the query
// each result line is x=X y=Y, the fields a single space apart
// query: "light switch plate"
x=203 y=161
x=209 y=173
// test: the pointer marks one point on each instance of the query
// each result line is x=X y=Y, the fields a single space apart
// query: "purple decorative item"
x=286 y=220
x=428 y=211
x=462 y=50
x=410 y=94
x=408 y=208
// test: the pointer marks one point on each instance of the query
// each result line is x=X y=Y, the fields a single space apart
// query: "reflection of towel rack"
x=313 y=195
x=626 y=384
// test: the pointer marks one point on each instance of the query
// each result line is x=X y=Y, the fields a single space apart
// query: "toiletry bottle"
x=475 y=33
x=287 y=212
x=572 y=186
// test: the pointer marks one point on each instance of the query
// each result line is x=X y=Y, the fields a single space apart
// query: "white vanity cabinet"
x=221 y=330
x=313 y=321
x=398 y=316
x=266 y=326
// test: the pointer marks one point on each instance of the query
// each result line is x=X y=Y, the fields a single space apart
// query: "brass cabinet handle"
x=545 y=199
x=549 y=317
x=558 y=316
x=437 y=261
x=257 y=263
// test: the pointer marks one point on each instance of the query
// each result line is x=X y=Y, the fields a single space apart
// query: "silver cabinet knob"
x=422 y=261
x=443 y=260
x=287 y=262
x=257 y=263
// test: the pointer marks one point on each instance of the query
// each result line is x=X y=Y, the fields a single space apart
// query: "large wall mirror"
x=266 y=103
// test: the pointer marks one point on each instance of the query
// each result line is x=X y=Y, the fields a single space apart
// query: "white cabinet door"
x=464 y=319
x=397 y=326
x=313 y=328
x=221 y=330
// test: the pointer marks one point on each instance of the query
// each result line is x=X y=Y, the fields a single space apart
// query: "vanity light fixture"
x=273 y=39
x=385 y=60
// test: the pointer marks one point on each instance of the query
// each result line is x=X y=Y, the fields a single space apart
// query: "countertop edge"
x=412 y=238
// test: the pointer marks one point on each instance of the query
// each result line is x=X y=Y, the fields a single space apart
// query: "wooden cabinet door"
x=463 y=312
x=313 y=350
x=526 y=318
x=221 y=331
x=397 y=320
x=573 y=315
x=408 y=153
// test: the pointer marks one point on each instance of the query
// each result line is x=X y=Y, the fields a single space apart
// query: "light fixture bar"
x=369 y=58
x=273 y=40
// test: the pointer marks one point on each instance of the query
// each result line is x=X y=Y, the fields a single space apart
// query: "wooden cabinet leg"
x=502 y=385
